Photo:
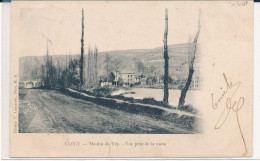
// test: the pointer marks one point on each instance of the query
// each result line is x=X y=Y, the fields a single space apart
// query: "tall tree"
x=152 y=70
x=140 y=66
x=191 y=63
x=59 y=74
x=47 y=66
x=89 y=71
x=43 y=74
x=117 y=63
x=70 y=76
x=92 y=67
x=107 y=61
x=166 y=60
x=82 y=52
x=66 y=65
x=95 y=59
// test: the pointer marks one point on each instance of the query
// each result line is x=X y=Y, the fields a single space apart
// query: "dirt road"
x=48 y=111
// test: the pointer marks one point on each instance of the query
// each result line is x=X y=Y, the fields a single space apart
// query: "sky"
x=110 y=26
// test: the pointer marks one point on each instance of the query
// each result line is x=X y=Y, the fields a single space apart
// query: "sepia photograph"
x=74 y=80
x=131 y=79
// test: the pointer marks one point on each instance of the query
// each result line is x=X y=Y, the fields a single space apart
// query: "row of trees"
x=53 y=77
x=92 y=71
x=73 y=75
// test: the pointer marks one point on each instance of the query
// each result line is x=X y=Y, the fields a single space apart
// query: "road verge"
x=180 y=118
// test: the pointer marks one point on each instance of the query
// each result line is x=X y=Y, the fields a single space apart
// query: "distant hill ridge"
x=178 y=56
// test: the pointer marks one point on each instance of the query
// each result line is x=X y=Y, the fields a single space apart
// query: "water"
x=157 y=94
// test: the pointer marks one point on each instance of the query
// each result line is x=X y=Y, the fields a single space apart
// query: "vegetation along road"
x=49 y=111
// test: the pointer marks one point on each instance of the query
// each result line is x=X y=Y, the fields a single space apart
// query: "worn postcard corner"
x=131 y=79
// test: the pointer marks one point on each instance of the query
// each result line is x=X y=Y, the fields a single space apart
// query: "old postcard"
x=131 y=79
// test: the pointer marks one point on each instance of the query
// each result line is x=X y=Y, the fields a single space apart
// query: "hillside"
x=152 y=60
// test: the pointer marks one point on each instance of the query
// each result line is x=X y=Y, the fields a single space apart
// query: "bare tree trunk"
x=191 y=70
x=166 y=60
x=88 y=69
x=82 y=52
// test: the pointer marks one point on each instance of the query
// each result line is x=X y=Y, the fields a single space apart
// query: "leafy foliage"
x=70 y=76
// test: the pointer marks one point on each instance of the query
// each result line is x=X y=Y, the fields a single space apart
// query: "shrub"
x=22 y=94
x=102 y=91
x=188 y=108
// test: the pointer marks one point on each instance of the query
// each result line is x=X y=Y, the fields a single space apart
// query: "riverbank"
x=156 y=110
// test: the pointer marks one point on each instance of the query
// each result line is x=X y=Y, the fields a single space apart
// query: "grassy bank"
x=106 y=92
x=148 y=107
